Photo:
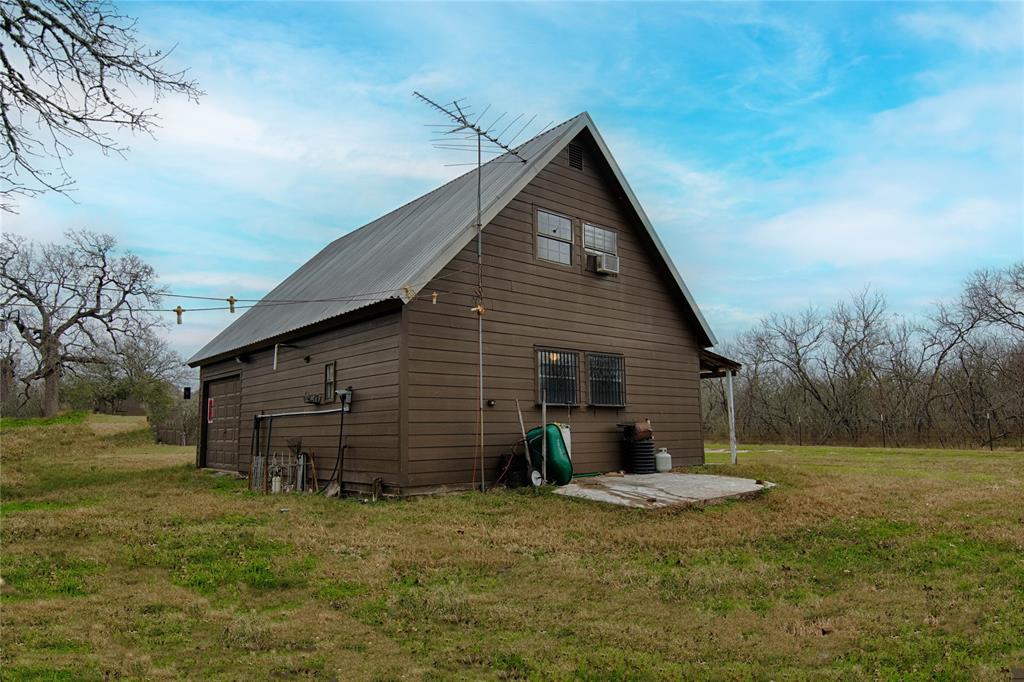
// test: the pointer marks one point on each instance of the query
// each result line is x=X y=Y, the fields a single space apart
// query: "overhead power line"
x=246 y=303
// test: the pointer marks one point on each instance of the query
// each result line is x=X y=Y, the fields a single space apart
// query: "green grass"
x=35 y=576
x=76 y=417
x=120 y=560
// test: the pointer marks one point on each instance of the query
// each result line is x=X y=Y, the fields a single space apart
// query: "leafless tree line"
x=76 y=325
x=860 y=374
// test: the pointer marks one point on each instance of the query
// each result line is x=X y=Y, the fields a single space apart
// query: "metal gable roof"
x=408 y=247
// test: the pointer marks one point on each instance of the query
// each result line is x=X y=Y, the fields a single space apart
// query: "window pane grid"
x=553 y=225
x=329 y=380
x=607 y=374
x=558 y=377
x=554 y=250
x=600 y=239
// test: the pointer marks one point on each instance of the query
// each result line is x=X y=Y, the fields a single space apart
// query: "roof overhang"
x=375 y=309
x=713 y=365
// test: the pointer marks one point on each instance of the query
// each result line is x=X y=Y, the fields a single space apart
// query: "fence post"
x=988 y=423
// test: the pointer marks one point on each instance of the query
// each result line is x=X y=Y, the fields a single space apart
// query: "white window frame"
x=330 y=380
x=553 y=236
x=592 y=249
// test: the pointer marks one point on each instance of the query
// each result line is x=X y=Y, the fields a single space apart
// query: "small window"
x=554 y=238
x=558 y=377
x=329 y=380
x=575 y=153
x=607 y=374
x=599 y=239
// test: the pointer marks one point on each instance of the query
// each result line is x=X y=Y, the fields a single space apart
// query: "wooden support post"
x=732 y=416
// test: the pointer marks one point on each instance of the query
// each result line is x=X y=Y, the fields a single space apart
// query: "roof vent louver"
x=575 y=156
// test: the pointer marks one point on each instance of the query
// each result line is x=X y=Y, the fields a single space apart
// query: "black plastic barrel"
x=640 y=457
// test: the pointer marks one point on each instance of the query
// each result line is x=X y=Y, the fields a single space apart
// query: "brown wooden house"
x=580 y=302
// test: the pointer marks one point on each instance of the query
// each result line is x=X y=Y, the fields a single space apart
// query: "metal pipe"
x=544 y=435
x=479 y=313
x=301 y=414
x=732 y=417
x=341 y=454
x=266 y=458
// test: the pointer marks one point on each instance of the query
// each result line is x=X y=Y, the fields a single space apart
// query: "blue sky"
x=787 y=153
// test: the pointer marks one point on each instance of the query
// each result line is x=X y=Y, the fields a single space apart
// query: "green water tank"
x=559 y=463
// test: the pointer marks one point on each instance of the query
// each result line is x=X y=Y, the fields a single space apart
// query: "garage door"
x=222 y=409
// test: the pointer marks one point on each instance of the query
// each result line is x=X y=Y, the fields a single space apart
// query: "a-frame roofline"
x=395 y=256
x=576 y=126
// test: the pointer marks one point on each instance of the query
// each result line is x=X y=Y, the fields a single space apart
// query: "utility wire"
x=348 y=297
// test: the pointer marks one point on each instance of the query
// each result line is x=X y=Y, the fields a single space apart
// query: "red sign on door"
x=209 y=411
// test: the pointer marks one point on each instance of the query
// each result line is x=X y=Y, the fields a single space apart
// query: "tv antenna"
x=457 y=134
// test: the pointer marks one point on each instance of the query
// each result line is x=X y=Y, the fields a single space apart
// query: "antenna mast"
x=459 y=132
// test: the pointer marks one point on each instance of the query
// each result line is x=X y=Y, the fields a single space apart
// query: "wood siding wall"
x=532 y=303
x=367 y=357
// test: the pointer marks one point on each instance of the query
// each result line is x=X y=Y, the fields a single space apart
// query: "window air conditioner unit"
x=607 y=263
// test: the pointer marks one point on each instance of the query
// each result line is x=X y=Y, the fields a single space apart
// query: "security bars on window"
x=607 y=374
x=558 y=377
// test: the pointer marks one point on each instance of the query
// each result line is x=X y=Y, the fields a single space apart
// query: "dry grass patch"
x=121 y=560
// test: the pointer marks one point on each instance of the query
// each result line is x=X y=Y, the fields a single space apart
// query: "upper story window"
x=554 y=237
x=599 y=239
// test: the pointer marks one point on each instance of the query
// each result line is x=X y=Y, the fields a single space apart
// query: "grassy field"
x=120 y=560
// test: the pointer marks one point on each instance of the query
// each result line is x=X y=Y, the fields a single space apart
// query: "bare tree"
x=860 y=374
x=65 y=300
x=996 y=297
x=67 y=69
x=143 y=368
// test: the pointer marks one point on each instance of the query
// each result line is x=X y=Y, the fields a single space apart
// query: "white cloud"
x=237 y=281
x=886 y=226
x=985 y=116
x=1000 y=29
x=936 y=178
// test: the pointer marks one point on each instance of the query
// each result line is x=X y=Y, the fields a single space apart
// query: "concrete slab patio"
x=654 y=491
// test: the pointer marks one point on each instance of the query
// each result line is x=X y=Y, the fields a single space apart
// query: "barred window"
x=554 y=237
x=607 y=374
x=558 y=377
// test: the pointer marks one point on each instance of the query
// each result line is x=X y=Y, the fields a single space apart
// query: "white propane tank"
x=275 y=485
x=566 y=436
x=663 y=460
